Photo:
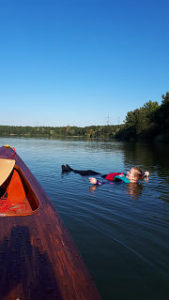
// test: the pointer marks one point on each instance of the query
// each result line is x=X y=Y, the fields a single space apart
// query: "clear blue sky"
x=81 y=62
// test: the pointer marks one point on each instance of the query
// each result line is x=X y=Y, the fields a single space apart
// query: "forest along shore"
x=147 y=123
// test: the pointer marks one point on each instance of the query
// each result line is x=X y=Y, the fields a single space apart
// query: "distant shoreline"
x=147 y=123
x=92 y=132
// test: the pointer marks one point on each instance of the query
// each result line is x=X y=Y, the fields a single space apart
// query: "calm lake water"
x=121 y=231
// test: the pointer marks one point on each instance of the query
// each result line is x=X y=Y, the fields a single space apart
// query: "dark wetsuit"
x=67 y=168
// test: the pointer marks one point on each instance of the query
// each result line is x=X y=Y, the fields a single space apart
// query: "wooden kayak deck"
x=38 y=259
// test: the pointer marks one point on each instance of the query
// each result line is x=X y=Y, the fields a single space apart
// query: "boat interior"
x=16 y=195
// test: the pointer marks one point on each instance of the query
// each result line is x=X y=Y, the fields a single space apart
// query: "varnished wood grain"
x=38 y=259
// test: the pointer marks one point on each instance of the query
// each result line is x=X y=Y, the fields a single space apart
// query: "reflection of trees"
x=139 y=154
x=147 y=156
x=26 y=273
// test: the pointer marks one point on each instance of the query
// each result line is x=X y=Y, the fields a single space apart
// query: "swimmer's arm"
x=95 y=181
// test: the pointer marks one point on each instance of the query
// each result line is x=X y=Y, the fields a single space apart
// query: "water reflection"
x=150 y=156
x=134 y=190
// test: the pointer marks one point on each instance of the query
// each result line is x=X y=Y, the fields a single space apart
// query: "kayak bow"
x=38 y=259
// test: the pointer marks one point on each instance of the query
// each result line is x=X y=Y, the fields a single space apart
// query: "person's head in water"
x=135 y=174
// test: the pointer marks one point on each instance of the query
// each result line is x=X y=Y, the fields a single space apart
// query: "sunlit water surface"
x=122 y=232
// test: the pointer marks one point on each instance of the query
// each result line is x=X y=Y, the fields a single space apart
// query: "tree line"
x=100 y=132
x=151 y=121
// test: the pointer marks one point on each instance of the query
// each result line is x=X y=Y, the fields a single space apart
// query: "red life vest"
x=111 y=176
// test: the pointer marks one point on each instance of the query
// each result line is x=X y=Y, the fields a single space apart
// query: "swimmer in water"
x=132 y=176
